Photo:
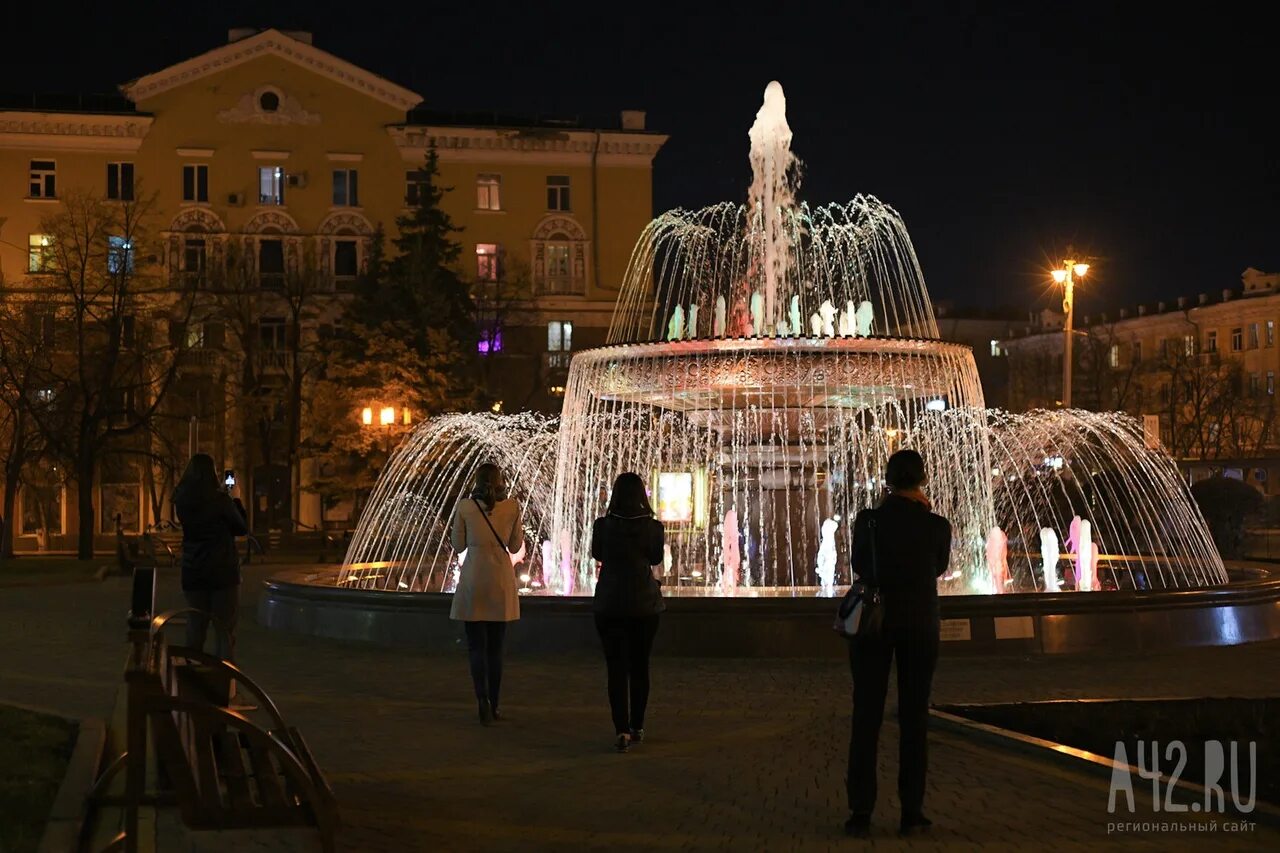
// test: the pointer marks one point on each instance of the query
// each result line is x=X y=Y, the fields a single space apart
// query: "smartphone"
x=229 y=479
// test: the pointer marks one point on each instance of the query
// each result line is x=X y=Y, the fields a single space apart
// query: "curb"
x=65 y=826
x=1071 y=758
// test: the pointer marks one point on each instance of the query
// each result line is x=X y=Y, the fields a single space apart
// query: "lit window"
x=1253 y=336
x=487 y=261
x=996 y=349
x=1113 y=355
x=1211 y=342
x=119 y=255
x=556 y=390
x=195 y=336
x=44 y=395
x=120 y=181
x=44 y=174
x=271 y=264
x=558 y=192
x=559 y=336
x=489 y=192
x=345 y=188
x=346 y=263
x=1271 y=383
x=1189 y=344
x=1271 y=333
x=195 y=182
x=1237 y=339
x=39 y=253
x=416 y=187
x=490 y=340
x=270 y=185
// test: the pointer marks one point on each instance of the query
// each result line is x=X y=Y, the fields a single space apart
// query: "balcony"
x=198 y=357
x=273 y=361
x=560 y=285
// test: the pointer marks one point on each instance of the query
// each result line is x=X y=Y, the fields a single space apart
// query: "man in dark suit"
x=903 y=547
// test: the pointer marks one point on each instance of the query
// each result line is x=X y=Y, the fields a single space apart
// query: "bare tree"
x=112 y=362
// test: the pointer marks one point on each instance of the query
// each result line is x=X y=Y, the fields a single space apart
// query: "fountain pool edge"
x=304 y=600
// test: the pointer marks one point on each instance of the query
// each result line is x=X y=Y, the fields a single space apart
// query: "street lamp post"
x=1066 y=276
x=386 y=418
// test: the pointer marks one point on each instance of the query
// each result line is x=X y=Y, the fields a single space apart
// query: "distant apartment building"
x=1199 y=372
x=288 y=157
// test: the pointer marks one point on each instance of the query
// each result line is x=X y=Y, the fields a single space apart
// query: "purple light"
x=490 y=343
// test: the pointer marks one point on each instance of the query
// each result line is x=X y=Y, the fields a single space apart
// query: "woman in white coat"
x=486 y=525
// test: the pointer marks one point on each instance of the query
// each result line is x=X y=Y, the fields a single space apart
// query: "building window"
x=556 y=390
x=559 y=336
x=195 y=335
x=271 y=264
x=487 y=261
x=195 y=182
x=1253 y=336
x=41 y=509
x=1271 y=333
x=1237 y=339
x=345 y=188
x=120 y=181
x=1113 y=355
x=194 y=258
x=1189 y=344
x=558 y=192
x=44 y=175
x=559 y=276
x=128 y=331
x=1255 y=384
x=1137 y=352
x=997 y=350
x=415 y=187
x=1271 y=383
x=119 y=255
x=269 y=102
x=1211 y=342
x=490 y=340
x=489 y=192
x=270 y=185
x=346 y=259
x=271 y=334
x=39 y=253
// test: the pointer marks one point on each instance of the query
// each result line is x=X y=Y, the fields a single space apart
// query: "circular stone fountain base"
x=305 y=600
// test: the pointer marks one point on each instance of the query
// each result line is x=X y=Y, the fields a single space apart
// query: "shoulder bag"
x=485 y=516
x=861 y=612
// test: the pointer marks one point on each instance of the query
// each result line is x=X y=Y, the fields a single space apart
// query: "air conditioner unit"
x=235 y=199
x=297 y=181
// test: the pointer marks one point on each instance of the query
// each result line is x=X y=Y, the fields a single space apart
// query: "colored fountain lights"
x=764 y=361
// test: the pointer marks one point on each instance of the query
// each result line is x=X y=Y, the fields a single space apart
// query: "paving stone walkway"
x=742 y=755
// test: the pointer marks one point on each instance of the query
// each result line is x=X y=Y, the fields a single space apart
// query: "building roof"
x=512 y=121
x=272 y=42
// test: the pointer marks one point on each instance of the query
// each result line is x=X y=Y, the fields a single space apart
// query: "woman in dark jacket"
x=211 y=520
x=627 y=543
x=904 y=548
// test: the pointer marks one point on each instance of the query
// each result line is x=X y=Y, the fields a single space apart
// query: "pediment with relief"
x=268 y=105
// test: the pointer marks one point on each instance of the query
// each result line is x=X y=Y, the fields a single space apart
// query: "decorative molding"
x=272 y=42
x=73 y=131
x=346 y=219
x=267 y=219
x=197 y=218
x=498 y=145
x=340 y=157
x=559 y=223
x=270 y=155
x=194 y=152
x=249 y=111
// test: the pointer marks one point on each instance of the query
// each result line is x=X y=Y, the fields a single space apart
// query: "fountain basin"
x=307 y=600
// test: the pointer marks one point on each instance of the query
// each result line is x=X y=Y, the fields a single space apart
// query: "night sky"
x=1001 y=133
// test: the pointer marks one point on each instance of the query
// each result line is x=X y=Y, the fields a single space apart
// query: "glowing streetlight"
x=1066 y=276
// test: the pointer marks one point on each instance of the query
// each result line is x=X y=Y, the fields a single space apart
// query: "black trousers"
x=484 y=647
x=869 y=661
x=627 y=642
x=222 y=605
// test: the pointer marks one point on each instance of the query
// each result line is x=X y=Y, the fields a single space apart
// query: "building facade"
x=272 y=155
x=1199 y=372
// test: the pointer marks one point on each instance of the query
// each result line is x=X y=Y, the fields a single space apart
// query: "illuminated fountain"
x=763 y=362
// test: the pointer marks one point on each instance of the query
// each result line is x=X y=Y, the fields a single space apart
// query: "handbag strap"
x=489 y=524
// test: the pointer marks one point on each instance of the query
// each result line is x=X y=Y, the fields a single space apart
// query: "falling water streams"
x=763 y=362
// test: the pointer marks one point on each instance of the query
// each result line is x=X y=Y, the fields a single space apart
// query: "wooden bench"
x=226 y=767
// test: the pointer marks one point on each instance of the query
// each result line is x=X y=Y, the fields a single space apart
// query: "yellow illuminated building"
x=286 y=155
